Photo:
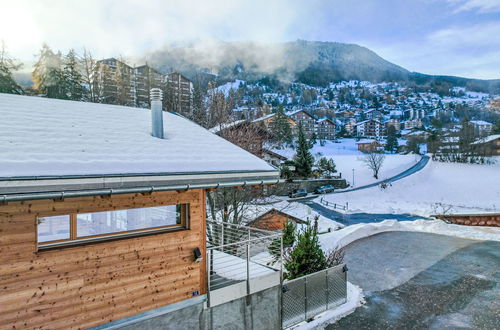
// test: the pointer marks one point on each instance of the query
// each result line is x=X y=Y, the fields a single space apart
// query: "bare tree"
x=88 y=73
x=374 y=161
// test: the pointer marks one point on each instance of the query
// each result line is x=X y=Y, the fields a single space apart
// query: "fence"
x=307 y=296
x=334 y=205
x=240 y=261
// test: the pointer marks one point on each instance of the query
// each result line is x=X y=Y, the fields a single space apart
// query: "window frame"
x=74 y=240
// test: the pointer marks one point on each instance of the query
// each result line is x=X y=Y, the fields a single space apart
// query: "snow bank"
x=355 y=299
x=437 y=189
x=353 y=233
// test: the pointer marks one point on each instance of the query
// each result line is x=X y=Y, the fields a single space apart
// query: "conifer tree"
x=392 y=140
x=304 y=160
x=306 y=256
x=280 y=127
x=73 y=79
x=7 y=65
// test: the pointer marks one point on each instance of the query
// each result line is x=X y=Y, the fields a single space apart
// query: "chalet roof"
x=43 y=137
x=294 y=112
x=487 y=139
x=481 y=122
x=365 y=121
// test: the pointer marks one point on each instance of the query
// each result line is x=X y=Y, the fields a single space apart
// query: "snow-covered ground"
x=436 y=189
x=347 y=157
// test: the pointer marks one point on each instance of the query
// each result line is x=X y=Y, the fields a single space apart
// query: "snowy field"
x=438 y=188
x=347 y=157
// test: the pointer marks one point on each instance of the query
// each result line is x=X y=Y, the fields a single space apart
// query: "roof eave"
x=48 y=188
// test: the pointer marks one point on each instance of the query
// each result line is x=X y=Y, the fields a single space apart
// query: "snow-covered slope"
x=436 y=189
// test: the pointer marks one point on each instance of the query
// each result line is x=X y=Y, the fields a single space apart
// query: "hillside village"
x=140 y=194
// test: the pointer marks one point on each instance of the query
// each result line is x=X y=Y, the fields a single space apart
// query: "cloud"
x=481 y=6
x=129 y=27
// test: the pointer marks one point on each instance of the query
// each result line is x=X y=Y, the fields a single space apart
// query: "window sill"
x=107 y=238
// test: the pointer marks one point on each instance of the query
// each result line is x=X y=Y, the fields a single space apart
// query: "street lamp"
x=353 y=177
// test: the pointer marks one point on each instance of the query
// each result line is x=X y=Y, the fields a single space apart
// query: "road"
x=424 y=281
x=415 y=168
x=351 y=219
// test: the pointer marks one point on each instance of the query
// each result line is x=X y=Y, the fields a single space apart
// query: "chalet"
x=101 y=220
x=490 y=145
x=273 y=157
x=274 y=220
x=307 y=121
x=248 y=135
x=369 y=146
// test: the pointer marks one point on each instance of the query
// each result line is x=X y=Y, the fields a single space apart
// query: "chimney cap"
x=156 y=94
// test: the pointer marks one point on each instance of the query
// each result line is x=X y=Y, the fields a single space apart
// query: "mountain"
x=310 y=62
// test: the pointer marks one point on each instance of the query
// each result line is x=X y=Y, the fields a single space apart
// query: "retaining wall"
x=491 y=220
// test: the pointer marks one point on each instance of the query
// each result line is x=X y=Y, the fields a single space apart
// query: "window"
x=76 y=228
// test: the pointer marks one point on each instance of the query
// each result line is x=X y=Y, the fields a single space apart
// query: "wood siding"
x=88 y=285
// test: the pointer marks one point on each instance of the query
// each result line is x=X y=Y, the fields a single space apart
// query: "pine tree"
x=306 y=256
x=73 y=79
x=304 y=160
x=326 y=166
x=7 y=65
x=280 y=128
x=392 y=140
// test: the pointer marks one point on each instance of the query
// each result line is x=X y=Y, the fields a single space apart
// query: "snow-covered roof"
x=487 y=139
x=49 y=137
x=480 y=122
x=220 y=127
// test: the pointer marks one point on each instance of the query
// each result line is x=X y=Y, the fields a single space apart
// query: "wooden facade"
x=92 y=284
x=274 y=220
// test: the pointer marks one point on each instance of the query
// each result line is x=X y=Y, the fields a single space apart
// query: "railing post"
x=209 y=261
x=305 y=298
x=222 y=238
x=248 y=268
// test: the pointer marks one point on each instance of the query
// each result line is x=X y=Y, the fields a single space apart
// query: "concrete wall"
x=260 y=310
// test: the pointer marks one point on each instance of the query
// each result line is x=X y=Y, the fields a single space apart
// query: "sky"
x=450 y=37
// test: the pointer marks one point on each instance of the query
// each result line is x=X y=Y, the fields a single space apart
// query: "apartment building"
x=368 y=128
x=178 y=93
x=116 y=82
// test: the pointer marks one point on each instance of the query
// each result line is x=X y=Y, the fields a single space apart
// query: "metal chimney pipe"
x=156 y=113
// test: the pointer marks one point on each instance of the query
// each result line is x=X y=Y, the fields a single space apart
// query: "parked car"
x=298 y=193
x=324 y=189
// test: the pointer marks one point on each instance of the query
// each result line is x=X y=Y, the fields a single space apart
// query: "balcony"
x=240 y=261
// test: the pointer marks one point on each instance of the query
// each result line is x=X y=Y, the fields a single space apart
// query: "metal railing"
x=307 y=296
x=241 y=260
x=334 y=205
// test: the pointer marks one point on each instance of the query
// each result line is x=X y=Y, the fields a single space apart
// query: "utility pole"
x=353 y=177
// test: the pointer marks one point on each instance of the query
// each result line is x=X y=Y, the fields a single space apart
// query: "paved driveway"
x=424 y=281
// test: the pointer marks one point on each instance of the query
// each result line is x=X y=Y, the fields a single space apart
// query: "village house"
x=100 y=217
x=326 y=129
x=369 y=146
x=368 y=128
x=274 y=220
x=489 y=146
x=481 y=128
